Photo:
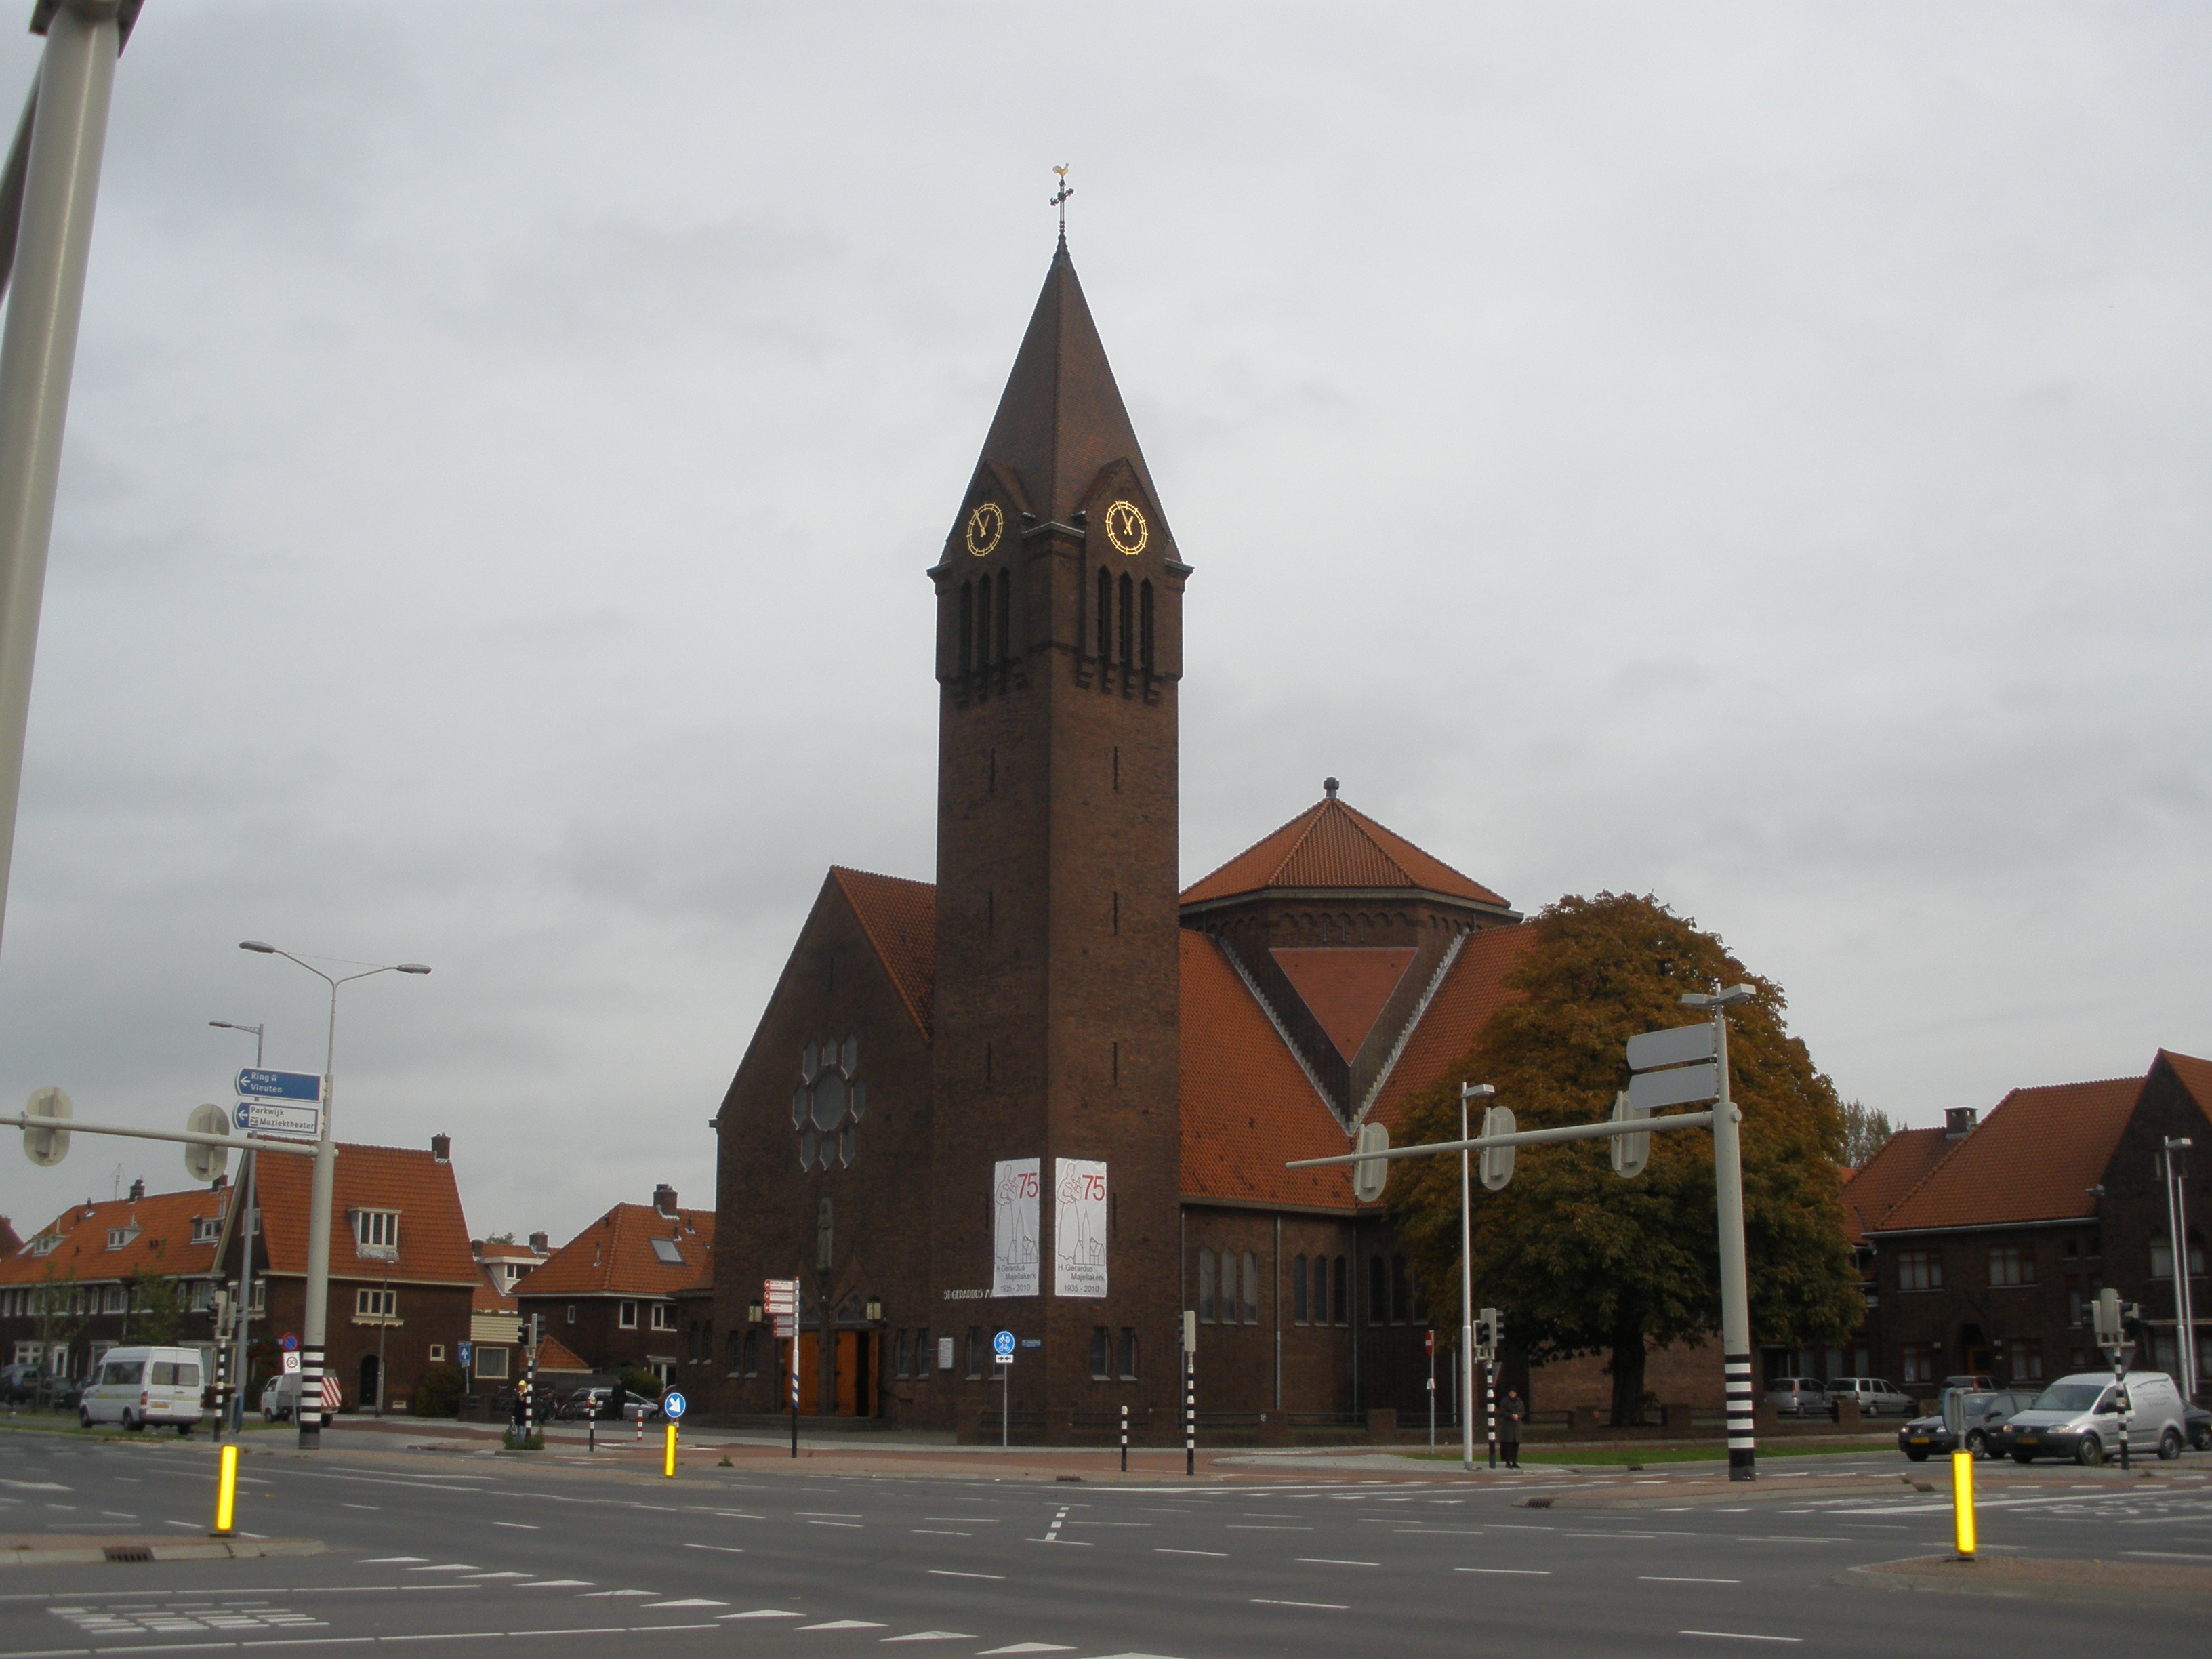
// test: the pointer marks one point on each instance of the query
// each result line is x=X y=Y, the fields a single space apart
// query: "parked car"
x=280 y=1398
x=1978 y=1383
x=1798 y=1396
x=1874 y=1396
x=19 y=1383
x=1983 y=1412
x=139 y=1386
x=2079 y=1417
x=2197 y=1425
x=637 y=1407
x=585 y=1404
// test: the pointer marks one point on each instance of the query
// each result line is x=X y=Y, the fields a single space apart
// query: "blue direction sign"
x=280 y=1085
x=673 y=1405
x=468 y=1352
x=1002 y=1347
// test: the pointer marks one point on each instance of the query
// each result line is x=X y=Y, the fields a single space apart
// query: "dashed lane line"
x=1324 y=1606
x=1739 y=1635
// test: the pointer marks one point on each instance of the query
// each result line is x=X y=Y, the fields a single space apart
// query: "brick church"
x=1049 y=1094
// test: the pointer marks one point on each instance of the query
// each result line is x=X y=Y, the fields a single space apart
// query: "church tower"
x=1059 y=652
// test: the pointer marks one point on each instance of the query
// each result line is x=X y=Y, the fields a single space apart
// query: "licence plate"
x=1920 y=1440
x=2026 y=1440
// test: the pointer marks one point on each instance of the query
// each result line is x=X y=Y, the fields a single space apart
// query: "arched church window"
x=1145 y=627
x=1298 y=1290
x=828 y=1103
x=1128 y=625
x=1005 y=615
x=1208 y=1288
x=967 y=629
x=1342 y=1301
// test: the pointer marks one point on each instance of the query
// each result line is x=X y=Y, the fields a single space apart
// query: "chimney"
x=220 y=1181
x=441 y=1149
x=663 y=1199
x=1958 y=1123
x=540 y=1244
x=138 y=1191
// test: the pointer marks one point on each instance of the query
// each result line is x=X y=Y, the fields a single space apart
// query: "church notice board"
x=1078 y=1227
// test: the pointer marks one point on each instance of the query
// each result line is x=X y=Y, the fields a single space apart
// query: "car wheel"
x=2023 y=1457
x=2201 y=1440
x=2090 y=1452
x=1978 y=1444
x=83 y=1417
x=2169 y=1446
x=184 y=1431
x=1917 y=1457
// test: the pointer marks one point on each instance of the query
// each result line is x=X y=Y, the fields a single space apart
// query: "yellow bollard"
x=226 y=1491
x=668 y=1468
x=1962 y=1504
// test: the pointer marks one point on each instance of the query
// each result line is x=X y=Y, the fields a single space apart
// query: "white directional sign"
x=281 y=1118
x=1649 y=1091
x=1677 y=1046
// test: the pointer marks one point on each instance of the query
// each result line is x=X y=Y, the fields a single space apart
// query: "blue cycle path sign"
x=280 y=1085
x=673 y=1405
x=1003 y=1345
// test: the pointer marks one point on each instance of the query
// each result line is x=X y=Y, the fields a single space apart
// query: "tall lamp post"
x=313 y=1317
x=245 y=1250
x=2184 y=1293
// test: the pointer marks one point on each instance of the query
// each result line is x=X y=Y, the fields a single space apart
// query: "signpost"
x=273 y=1117
x=673 y=1405
x=256 y=1085
x=780 y=1302
x=1002 y=1355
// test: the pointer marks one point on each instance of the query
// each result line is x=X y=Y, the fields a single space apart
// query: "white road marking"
x=1329 y=1607
x=1032 y=1647
x=765 y=1612
x=933 y=1636
x=1664 y=1578
x=1163 y=1550
x=1509 y=1572
x=519 y=1526
x=831 y=1514
x=689 y=1602
x=724 y=1549
x=846 y=1624
x=393 y=1560
x=1331 y=1561
x=1740 y=1635
x=947 y=1572
x=941 y=1532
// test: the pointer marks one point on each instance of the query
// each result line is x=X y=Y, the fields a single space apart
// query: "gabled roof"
x=1060 y=420
x=157 y=1229
x=2033 y=1158
x=434 y=1233
x=900 y=919
x=1330 y=846
x=1472 y=991
x=556 y=1356
x=2193 y=1074
x=489 y=1298
x=1900 y=1165
x=615 y=1256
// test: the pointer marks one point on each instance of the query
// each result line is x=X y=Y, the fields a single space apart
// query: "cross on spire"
x=1060 y=201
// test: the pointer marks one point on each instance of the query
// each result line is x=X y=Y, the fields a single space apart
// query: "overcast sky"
x=1753 y=454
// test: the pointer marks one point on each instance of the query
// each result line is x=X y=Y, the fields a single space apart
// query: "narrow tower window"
x=983 y=623
x=1007 y=609
x=1105 y=616
x=967 y=629
x=1129 y=625
x=1145 y=628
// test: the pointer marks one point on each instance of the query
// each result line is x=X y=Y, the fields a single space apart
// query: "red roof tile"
x=1331 y=846
x=434 y=1233
x=157 y=1231
x=900 y=919
x=555 y=1356
x=2195 y=1076
x=1901 y=1163
x=1474 y=990
x=615 y=1256
x=1345 y=986
x=2033 y=1158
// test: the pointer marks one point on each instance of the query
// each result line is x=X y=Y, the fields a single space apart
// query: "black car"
x=2198 y=1423
x=1984 y=1415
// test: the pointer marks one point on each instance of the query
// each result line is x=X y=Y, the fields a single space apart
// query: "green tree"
x=1576 y=1259
x=1865 y=1131
x=156 y=1303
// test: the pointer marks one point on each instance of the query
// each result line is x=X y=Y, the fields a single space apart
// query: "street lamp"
x=2184 y=1293
x=1468 y=1091
x=245 y=1314
x=314 y=1316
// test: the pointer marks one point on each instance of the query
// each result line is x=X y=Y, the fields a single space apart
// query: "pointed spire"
x=1060 y=419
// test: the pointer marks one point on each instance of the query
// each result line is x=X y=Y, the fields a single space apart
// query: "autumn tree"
x=1866 y=1131
x=1578 y=1260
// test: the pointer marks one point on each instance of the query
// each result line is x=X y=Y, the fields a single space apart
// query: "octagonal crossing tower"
x=1059 y=652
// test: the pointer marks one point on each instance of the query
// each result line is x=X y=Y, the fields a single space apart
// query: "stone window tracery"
x=828 y=1103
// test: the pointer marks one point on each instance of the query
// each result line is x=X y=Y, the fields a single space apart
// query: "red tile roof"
x=2195 y=1075
x=2033 y=1158
x=615 y=1256
x=434 y=1233
x=1331 y=846
x=900 y=919
x=489 y=1298
x=1235 y=1071
x=1901 y=1163
x=1474 y=990
x=555 y=1356
x=159 y=1240
x=1345 y=986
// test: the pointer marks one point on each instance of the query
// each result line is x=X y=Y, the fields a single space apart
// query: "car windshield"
x=1974 y=1403
x=2067 y=1397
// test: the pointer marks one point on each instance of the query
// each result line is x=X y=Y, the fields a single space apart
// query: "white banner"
x=1014 y=1227
x=1078 y=1227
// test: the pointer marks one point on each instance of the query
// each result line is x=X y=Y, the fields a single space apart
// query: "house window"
x=2012 y=1265
x=572 y=1313
x=975 y=1352
x=1125 y=1358
x=1208 y=1288
x=663 y=1317
x=1919 y=1270
x=1102 y=1353
x=2161 y=1255
x=921 y=1352
x=206 y=1228
x=375 y=1304
x=120 y=1237
x=1297 y=1289
x=376 y=1229
x=902 y=1356
x=1920 y=1363
x=2028 y=1359
x=260 y=1295
x=437 y=1353
x=118 y=1299
x=1251 y=1288
x=663 y=1372
x=491 y=1363
x=626 y=1315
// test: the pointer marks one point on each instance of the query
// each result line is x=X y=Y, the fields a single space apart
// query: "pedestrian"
x=1508 y=1428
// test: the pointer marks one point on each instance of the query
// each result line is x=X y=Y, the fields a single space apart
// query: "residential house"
x=632 y=1289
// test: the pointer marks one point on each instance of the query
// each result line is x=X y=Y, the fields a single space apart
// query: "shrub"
x=439 y=1392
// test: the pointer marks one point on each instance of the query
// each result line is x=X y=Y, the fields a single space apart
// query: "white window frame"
x=626 y=1315
x=376 y=1232
x=663 y=1317
x=373 y=1306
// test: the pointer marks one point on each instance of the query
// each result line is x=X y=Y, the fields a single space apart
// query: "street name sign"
x=280 y=1085
x=274 y=1117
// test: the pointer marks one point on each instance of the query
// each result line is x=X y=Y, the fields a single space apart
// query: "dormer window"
x=376 y=1232
x=206 y=1228
x=118 y=1237
x=46 y=1243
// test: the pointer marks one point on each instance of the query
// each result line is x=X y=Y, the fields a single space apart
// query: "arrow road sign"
x=673 y=1405
x=273 y=1117
x=281 y=1086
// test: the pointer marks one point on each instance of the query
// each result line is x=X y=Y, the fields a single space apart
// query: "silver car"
x=2079 y=1417
x=1798 y=1396
x=1874 y=1396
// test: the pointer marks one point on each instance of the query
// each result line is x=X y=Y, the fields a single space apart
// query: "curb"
x=77 y=1551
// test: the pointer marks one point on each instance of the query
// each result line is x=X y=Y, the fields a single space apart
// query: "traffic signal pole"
x=1735 y=1297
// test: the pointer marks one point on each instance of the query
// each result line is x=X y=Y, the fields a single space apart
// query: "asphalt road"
x=427 y=1548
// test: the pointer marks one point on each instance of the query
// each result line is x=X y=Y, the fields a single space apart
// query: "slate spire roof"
x=1060 y=419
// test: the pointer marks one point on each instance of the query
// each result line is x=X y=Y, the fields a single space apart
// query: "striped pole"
x=310 y=1410
x=1735 y=1298
x=1190 y=1413
x=1125 y=1440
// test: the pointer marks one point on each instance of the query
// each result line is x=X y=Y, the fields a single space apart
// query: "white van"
x=137 y=1386
x=2079 y=1417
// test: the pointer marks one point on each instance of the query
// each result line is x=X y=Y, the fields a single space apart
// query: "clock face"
x=1127 y=529
x=985 y=526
